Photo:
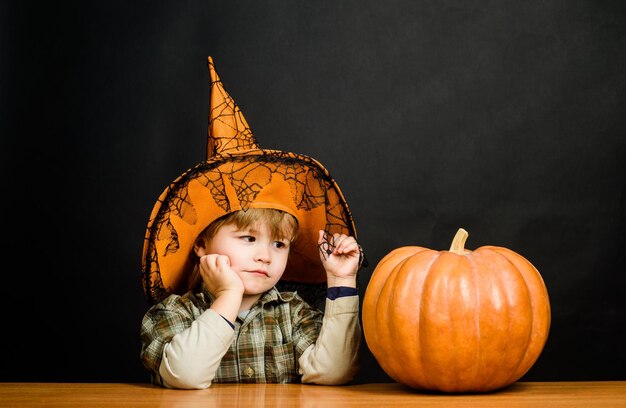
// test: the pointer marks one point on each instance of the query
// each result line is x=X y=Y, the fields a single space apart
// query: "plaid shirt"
x=266 y=345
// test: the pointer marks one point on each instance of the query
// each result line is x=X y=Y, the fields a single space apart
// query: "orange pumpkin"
x=457 y=320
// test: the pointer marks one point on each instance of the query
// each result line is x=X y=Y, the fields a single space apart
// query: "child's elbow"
x=186 y=379
x=330 y=376
x=187 y=382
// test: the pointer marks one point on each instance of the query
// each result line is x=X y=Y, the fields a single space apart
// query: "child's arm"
x=333 y=359
x=182 y=345
x=191 y=359
x=223 y=284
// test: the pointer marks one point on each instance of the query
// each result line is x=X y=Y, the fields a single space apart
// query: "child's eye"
x=248 y=238
x=280 y=244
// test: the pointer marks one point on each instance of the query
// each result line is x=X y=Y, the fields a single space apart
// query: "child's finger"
x=321 y=236
x=345 y=244
x=222 y=261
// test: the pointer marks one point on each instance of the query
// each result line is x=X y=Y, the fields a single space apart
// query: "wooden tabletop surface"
x=605 y=394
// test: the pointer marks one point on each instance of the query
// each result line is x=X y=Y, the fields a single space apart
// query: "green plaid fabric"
x=267 y=342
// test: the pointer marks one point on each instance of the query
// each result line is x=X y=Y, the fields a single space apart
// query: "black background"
x=506 y=118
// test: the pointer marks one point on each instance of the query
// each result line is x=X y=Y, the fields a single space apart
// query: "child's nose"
x=263 y=254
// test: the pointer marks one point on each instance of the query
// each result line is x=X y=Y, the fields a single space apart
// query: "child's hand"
x=218 y=276
x=340 y=255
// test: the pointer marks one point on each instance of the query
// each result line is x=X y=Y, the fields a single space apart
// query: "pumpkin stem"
x=458 y=243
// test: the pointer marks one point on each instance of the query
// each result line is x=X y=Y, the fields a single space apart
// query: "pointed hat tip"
x=212 y=72
x=228 y=129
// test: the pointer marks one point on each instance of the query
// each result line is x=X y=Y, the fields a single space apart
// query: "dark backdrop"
x=506 y=118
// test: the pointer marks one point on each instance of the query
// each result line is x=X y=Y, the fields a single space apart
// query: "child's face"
x=257 y=258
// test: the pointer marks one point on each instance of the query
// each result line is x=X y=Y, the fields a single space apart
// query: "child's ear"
x=199 y=247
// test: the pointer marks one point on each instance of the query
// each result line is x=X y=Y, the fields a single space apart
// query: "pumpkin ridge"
x=476 y=287
x=515 y=373
x=497 y=380
x=520 y=370
x=374 y=289
x=389 y=293
x=413 y=282
x=428 y=269
x=428 y=381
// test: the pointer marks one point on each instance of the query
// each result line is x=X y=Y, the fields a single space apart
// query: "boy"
x=233 y=226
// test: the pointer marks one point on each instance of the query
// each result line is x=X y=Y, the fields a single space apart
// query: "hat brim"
x=225 y=183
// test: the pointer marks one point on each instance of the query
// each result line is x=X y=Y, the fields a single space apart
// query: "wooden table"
x=605 y=394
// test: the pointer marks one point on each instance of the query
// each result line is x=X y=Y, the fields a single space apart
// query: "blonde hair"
x=281 y=225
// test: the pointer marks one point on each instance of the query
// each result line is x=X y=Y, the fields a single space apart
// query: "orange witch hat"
x=238 y=175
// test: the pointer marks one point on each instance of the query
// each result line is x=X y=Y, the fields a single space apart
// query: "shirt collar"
x=272 y=295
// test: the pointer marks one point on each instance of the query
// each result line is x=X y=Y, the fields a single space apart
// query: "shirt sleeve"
x=335 y=292
x=192 y=358
x=333 y=359
x=183 y=345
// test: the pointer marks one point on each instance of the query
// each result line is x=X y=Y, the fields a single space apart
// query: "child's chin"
x=253 y=288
